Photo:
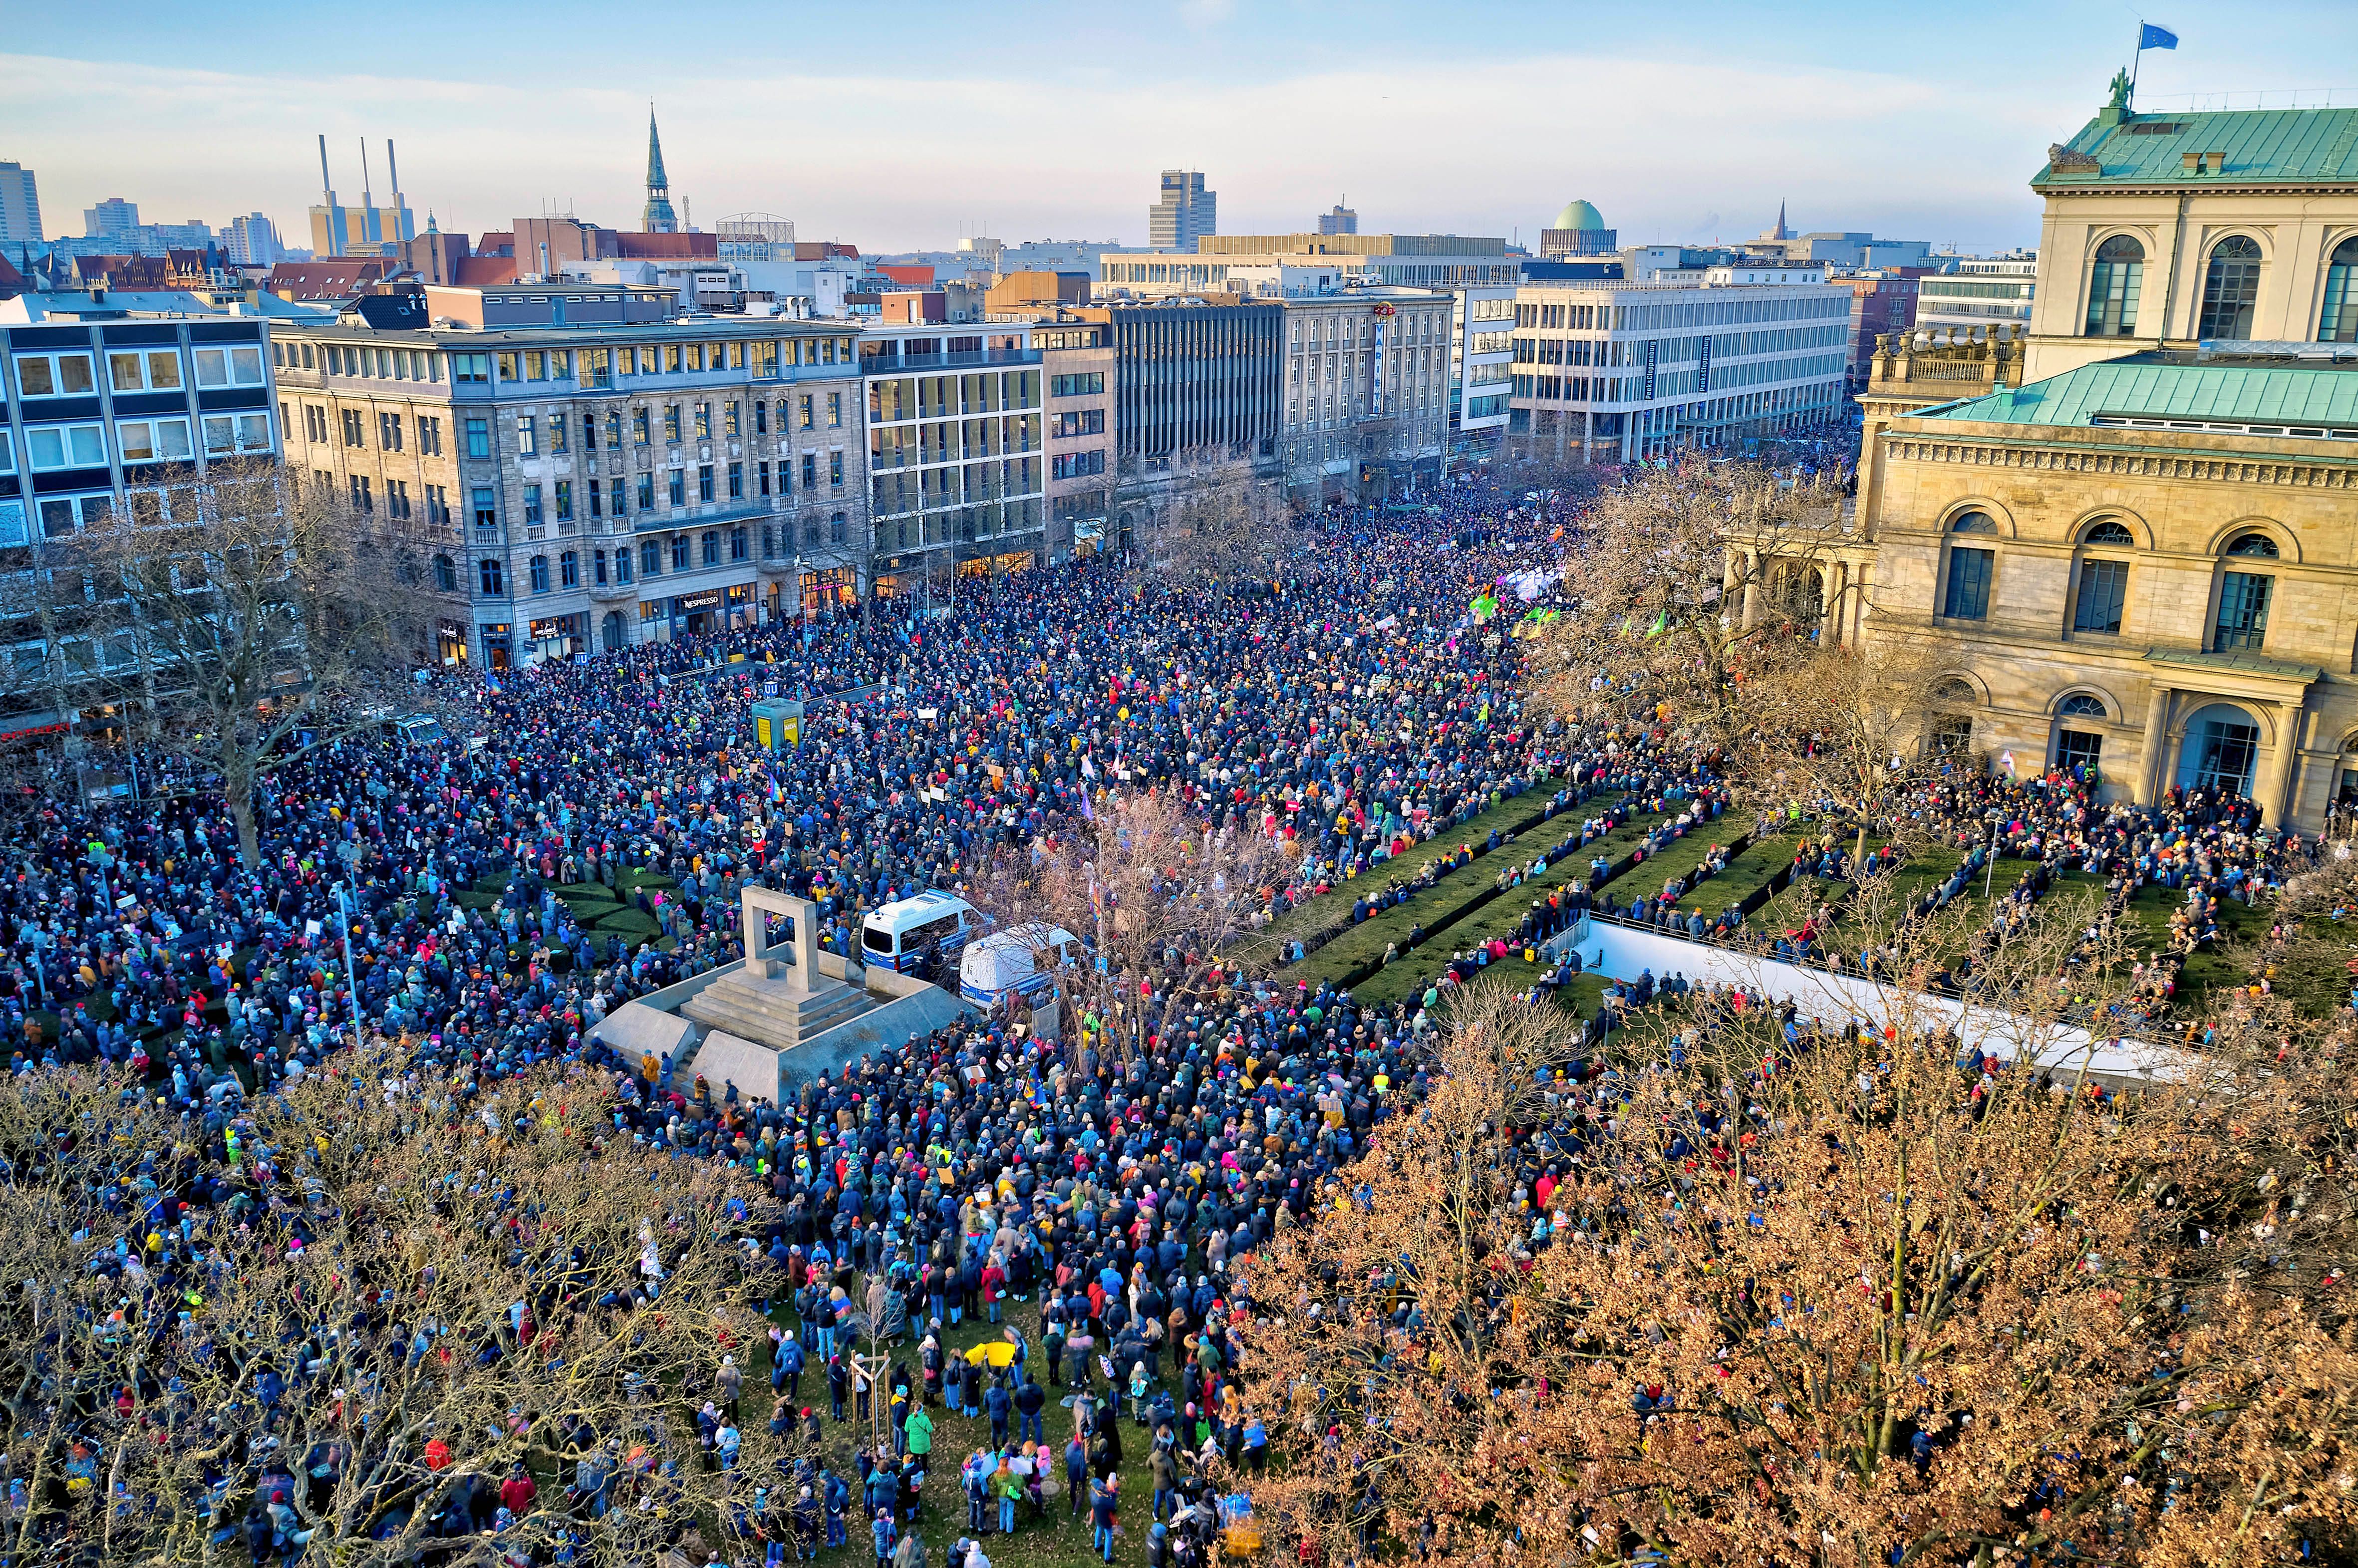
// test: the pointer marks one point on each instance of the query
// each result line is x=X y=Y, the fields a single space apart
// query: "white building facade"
x=1981 y=291
x=1481 y=367
x=1619 y=371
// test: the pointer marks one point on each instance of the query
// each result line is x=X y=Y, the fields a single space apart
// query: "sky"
x=904 y=127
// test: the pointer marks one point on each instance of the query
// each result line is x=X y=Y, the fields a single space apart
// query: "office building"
x=1339 y=220
x=20 y=206
x=1366 y=392
x=1058 y=255
x=1075 y=344
x=114 y=220
x=1270 y=265
x=2130 y=550
x=1979 y=291
x=1619 y=370
x=1481 y=367
x=597 y=469
x=109 y=401
x=1843 y=249
x=1578 y=231
x=1196 y=376
x=1182 y=213
x=957 y=455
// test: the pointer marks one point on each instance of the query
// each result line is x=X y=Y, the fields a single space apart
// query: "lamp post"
x=1989 y=862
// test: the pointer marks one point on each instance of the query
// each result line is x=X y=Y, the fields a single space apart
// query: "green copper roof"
x=2305 y=144
x=2161 y=385
x=655 y=155
x=1579 y=215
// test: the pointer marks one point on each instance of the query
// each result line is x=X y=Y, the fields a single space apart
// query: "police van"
x=1021 y=960
x=901 y=934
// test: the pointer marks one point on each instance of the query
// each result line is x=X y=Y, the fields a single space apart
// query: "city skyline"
x=1673 y=140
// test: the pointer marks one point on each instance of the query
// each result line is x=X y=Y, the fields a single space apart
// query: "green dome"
x=1578 y=215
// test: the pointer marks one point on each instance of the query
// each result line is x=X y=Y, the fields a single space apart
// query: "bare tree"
x=1161 y=899
x=1213 y=521
x=240 y=621
x=1691 y=586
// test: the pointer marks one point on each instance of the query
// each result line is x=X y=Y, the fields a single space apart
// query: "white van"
x=1023 y=959
x=897 y=935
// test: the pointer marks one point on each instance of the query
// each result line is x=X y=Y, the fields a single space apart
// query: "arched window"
x=2079 y=705
x=2251 y=544
x=2108 y=532
x=445 y=574
x=2338 y=323
x=1974 y=522
x=2113 y=285
x=2230 y=287
x=1954 y=692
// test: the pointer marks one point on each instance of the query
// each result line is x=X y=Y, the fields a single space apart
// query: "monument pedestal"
x=777 y=1003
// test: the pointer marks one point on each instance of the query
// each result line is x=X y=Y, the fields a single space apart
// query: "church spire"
x=1781 y=232
x=657 y=218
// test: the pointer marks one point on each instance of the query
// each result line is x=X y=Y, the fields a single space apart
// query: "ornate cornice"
x=2067 y=456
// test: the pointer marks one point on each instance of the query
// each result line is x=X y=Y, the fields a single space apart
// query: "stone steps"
x=764 y=1011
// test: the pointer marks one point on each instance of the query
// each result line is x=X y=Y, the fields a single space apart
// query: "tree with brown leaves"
x=1823 y=1294
x=371 y=1311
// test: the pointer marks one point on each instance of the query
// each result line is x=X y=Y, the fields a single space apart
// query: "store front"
x=561 y=636
x=451 y=641
x=493 y=637
x=738 y=601
x=828 y=586
x=695 y=614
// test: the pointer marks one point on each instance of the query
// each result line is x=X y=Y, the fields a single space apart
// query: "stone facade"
x=2167 y=507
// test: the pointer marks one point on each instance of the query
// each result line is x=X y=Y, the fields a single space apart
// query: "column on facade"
x=2275 y=798
x=1829 y=597
x=2153 y=767
x=1752 y=570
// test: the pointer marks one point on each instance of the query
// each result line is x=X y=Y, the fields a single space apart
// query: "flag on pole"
x=2152 y=38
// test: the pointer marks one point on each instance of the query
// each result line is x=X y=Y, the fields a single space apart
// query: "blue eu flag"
x=2152 y=38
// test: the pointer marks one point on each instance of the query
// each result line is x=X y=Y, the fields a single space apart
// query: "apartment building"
x=1075 y=344
x=595 y=468
x=957 y=452
x=1366 y=391
x=106 y=401
x=1271 y=265
x=1619 y=371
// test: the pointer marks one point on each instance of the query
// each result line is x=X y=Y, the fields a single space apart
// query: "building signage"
x=689 y=603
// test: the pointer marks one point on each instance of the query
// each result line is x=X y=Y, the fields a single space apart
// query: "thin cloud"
x=891 y=162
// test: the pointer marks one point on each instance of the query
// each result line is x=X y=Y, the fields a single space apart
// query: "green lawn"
x=1333 y=906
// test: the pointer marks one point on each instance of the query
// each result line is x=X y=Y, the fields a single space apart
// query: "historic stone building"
x=2148 y=560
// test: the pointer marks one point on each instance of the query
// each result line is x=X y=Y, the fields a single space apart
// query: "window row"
x=2100 y=588
x=2231 y=290
x=51 y=448
x=74 y=373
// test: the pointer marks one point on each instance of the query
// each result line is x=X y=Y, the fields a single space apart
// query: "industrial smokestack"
x=393 y=172
x=368 y=198
x=332 y=222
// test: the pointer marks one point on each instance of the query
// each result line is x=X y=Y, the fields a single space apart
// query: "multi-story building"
x=20 y=206
x=2133 y=551
x=1183 y=211
x=1481 y=367
x=1196 y=376
x=1979 y=291
x=1881 y=302
x=1618 y=371
x=1242 y=263
x=1367 y=391
x=1340 y=220
x=2168 y=231
x=1578 y=231
x=105 y=399
x=1075 y=344
x=597 y=469
x=956 y=454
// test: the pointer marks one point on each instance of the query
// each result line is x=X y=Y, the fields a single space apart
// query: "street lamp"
x=1989 y=862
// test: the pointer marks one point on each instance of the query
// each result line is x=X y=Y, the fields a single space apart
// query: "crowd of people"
x=1351 y=705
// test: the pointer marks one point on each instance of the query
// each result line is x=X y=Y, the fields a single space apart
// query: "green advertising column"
x=778 y=724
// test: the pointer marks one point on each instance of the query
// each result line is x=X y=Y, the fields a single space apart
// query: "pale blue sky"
x=901 y=126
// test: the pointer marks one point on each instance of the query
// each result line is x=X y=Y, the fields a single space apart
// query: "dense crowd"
x=1352 y=705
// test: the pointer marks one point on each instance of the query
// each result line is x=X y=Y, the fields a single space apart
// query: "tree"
x=240 y=619
x=1689 y=587
x=1214 y=523
x=379 y=1302
x=1161 y=899
x=1836 y=1297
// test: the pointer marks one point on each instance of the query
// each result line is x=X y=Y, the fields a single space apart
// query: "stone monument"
x=774 y=1002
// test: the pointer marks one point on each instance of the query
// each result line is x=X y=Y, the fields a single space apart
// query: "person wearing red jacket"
x=994 y=1286
x=517 y=1491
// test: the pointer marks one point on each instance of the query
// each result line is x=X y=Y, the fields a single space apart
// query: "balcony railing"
x=880 y=364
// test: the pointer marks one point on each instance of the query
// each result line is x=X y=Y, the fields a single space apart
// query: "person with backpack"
x=786 y=1372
